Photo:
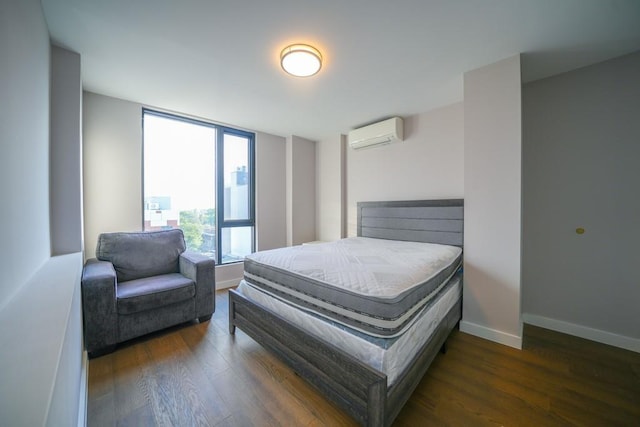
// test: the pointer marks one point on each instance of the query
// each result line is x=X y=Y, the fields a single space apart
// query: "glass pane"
x=236 y=243
x=236 y=177
x=179 y=180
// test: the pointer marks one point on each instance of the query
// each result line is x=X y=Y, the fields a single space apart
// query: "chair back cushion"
x=141 y=254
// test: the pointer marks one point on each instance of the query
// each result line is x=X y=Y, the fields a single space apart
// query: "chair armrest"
x=99 y=310
x=202 y=270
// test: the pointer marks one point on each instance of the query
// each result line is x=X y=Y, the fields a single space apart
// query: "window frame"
x=221 y=222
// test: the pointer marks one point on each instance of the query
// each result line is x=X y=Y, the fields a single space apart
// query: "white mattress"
x=375 y=268
x=392 y=360
x=376 y=286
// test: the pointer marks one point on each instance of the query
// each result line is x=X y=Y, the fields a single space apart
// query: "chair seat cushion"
x=153 y=292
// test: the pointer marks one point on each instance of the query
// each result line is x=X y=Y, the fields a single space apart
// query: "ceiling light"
x=301 y=60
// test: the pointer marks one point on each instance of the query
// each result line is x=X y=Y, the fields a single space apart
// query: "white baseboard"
x=491 y=334
x=585 y=332
x=228 y=283
x=84 y=390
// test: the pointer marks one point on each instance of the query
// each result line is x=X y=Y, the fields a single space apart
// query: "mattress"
x=390 y=356
x=375 y=286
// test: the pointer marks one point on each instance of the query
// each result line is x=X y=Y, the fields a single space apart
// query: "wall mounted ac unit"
x=384 y=132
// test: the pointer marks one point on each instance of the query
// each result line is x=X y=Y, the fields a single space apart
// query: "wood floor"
x=199 y=375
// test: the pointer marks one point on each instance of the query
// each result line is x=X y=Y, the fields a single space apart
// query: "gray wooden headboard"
x=431 y=221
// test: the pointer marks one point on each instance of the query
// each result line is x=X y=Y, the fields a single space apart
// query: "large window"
x=199 y=177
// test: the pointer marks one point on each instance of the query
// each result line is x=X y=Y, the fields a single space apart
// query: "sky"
x=179 y=161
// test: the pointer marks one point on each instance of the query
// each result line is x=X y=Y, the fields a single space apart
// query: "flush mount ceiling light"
x=301 y=60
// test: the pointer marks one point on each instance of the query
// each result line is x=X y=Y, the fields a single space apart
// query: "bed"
x=271 y=306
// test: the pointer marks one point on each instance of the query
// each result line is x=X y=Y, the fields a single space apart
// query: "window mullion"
x=219 y=193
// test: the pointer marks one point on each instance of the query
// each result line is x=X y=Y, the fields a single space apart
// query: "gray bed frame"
x=357 y=388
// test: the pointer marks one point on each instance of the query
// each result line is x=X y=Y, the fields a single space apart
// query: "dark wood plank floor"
x=199 y=375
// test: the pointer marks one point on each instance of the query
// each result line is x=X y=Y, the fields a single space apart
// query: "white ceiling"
x=220 y=59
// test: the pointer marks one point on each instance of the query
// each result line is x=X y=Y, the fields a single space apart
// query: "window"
x=199 y=177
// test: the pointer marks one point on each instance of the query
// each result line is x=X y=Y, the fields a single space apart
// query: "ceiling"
x=219 y=60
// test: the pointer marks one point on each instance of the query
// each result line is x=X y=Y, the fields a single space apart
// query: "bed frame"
x=357 y=388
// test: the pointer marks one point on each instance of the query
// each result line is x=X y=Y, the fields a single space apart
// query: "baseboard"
x=84 y=391
x=585 y=332
x=228 y=283
x=491 y=334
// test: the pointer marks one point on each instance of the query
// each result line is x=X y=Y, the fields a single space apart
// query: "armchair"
x=142 y=282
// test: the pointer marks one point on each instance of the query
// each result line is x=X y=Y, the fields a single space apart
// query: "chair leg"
x=203 y=319
x=101 y=351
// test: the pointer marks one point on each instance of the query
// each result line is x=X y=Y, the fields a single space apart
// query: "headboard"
x=430 y=221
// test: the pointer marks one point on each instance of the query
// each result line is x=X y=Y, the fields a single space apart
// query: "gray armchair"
x=140 y=283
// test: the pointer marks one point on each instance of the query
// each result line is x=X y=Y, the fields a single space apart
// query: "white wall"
x=43 y=368
x=270 y=192
x=493 y=194
x=331 y=188
x=60 y=281
x=112 y=167
x=41 y=362
x=66 y=152
x=581 y=169
x=112 y=155
x=300 y=190
x=428 y=164
x=24 y=163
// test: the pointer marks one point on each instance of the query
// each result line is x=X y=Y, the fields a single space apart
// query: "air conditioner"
x=384 y=132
